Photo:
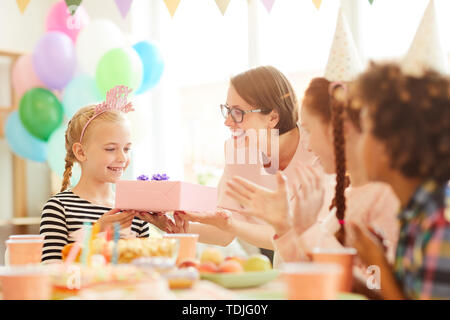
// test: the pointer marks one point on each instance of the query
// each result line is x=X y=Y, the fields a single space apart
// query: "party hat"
x=426 y=50
x=343 y=62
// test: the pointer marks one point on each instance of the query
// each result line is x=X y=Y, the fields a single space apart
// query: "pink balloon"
x=60 y=19
x=24 y=76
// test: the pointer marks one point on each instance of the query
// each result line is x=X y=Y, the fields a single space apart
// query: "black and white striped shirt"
x=65 y=213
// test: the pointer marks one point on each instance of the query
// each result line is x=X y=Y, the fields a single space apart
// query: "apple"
x=211 y=255
x=208 y=267
x=241 y=260
x=257 y=262
x=189 y=263
x=230 y=266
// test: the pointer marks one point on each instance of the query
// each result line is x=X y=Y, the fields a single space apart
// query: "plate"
x=241 y=279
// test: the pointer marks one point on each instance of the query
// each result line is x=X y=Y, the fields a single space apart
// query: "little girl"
x=98 y=138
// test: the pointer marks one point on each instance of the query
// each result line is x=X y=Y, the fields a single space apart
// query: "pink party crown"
x=116 y=99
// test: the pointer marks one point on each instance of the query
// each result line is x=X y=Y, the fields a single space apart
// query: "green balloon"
x=40 y=112
x=120 y=66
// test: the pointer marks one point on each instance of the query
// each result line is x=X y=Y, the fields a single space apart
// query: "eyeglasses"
x=236 y=113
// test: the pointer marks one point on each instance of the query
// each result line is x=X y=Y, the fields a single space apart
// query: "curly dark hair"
x=410 y=116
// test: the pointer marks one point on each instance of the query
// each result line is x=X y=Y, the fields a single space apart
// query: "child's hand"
x=308 y=198
x=369 y=245
x=219 y=219
x=259 y=202
x=125 y=219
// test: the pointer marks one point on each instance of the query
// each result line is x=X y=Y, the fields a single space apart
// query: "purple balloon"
x=54 y=59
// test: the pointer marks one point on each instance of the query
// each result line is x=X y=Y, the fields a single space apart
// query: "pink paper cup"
x=311 y=281
x=21 y=237
x=187 y=245
x=25 y=283
x=24 y=251
x=342 y=256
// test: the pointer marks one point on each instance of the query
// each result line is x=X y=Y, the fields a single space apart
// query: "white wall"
x=20 y=33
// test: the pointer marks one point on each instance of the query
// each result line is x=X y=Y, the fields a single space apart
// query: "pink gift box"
x=165 y=196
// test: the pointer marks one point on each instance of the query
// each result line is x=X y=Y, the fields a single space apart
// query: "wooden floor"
x=9 y=229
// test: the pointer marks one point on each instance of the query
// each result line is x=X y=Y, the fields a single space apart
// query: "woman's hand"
x=125 y=218
x=219 y=219
x=158 y=219
x=308 y=198
x=180 y=223
x=262 y=203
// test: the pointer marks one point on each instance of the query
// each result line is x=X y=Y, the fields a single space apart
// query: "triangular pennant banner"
x=317 y=3
x=426 y=51
x=23 y=4
x=268 y=4
x=73 y=5
x=223 y=5
x=370 y=1
x=172 y=6
x=123 y=6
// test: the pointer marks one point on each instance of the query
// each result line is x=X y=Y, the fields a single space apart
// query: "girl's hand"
x=262 y=203
x=219 y=219
x=308 y=198
x=158 y=219
x=370 y=248
x=125 y=218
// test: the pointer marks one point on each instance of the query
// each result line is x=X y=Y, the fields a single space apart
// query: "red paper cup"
x=187 y=245
x=342 y=256
x=24 y=251
x=25 y=283
x=311 y=281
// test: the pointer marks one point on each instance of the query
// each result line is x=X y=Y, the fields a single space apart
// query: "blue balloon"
x=80 y=92
x=153 y=64
x=22 y=142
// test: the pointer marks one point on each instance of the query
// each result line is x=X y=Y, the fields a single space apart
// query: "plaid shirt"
x=422 y=264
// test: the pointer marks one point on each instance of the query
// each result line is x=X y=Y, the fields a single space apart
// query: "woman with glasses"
x=260 y=104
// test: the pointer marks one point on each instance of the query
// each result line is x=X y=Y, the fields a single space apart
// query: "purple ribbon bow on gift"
x=155 y=177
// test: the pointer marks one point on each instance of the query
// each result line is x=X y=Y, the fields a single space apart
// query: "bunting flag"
x=343 y=62
x=268 y=4
x=123 y=6
x=370 y=1
x=317 y=3
x=23 y=4
x=73 y=5
x=223 y=5
x=172 y=6
x=426 y=51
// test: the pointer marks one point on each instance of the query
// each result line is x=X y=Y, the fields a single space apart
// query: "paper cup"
x=24 y=251
x=342 y=256
x=25 y=283
x=311 y=281
x=187 y=245
x=23 y=237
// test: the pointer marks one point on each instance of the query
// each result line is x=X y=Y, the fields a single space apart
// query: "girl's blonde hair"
x=73 y=134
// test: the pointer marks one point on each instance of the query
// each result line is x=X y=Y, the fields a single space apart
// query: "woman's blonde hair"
x=73 y=134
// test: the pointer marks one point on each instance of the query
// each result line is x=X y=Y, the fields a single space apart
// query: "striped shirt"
x=65 y=213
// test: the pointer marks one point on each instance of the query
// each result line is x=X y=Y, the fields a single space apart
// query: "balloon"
x=23 y=143
x=23 y=75
x=152 y=62
x=121 y=66
x=40 y=112
x=80 y=92
x=94 y=40
x=54 y=59
x=60 y=19
x=57 y=155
